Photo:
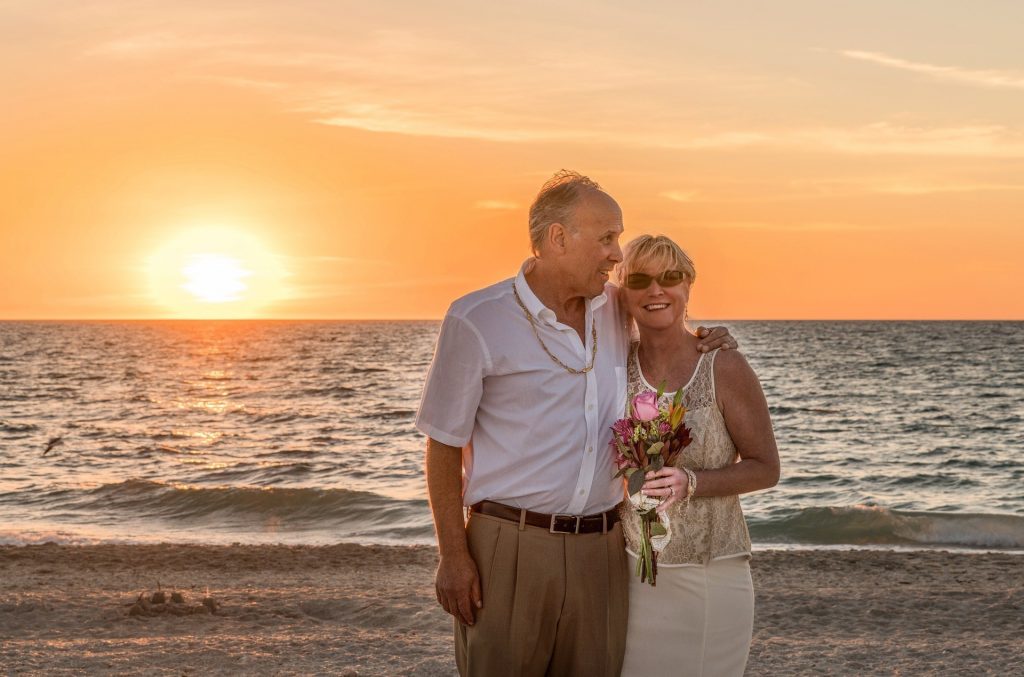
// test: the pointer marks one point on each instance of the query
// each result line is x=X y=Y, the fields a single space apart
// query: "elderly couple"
x=527 y=378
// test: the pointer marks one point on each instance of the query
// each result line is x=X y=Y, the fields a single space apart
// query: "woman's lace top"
x=709 y=527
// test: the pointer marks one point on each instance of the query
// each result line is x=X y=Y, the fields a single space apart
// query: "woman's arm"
x=745 y=410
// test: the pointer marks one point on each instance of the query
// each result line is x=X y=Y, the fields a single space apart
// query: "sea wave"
x=226 y=508
x=872 y=525
x=15 y=427
x=335 y=391
x=37 y=536
x=317 y=406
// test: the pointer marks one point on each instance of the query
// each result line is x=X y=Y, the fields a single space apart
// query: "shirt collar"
x=534 y=304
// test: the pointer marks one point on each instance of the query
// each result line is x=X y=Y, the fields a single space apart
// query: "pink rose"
x=645 y=406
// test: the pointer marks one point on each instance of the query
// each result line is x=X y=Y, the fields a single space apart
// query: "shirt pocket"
x=620 y=392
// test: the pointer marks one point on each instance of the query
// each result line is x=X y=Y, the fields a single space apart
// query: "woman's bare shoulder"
x=732 y=368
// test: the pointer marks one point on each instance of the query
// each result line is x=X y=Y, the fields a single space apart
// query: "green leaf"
x=678 y=399
x=636 y=480
x=658 y=529
x=661 y=389
x=657 y=463
x=655 y=448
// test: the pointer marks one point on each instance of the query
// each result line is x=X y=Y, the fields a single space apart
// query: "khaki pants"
x=553 y=604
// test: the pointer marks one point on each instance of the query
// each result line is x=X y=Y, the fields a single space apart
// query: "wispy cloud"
x=879 y=138
x=423 y=83
x=679 y=195
x=814 y=226
x=148 y=45
x=886 y=138
x=245 y=83
x=967 y=76
x=406 y=82
x=895 y=185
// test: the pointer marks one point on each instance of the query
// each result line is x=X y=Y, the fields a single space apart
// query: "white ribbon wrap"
x=642 y=504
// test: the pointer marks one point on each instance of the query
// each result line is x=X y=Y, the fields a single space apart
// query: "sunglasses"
x=669 y=278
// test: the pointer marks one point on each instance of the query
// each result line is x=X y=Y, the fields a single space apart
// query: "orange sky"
x=816 y=161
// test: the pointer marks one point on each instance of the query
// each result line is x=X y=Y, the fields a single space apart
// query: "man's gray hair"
x=556 y=203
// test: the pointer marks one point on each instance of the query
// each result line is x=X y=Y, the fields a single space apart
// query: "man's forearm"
x=444 y=485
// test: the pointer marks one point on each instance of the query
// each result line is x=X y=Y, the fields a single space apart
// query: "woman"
x=699 y=618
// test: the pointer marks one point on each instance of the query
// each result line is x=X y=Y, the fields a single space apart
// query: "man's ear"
x=557 y=236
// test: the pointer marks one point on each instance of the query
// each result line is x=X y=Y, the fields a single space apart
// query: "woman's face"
x=662 y=303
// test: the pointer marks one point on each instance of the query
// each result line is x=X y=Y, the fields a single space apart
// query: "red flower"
x=623 y=429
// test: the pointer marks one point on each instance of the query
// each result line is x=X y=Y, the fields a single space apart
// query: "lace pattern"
x=710 y=527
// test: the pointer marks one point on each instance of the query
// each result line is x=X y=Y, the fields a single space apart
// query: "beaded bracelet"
x=691 y=485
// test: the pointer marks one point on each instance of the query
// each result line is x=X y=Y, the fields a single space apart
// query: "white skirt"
x=697 y=621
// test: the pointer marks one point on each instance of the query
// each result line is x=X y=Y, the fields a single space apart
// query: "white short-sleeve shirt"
x=533 y=435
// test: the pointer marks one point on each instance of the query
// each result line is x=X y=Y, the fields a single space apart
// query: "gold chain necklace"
x=533 y=326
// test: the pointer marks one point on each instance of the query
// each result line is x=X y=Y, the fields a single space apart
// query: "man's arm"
x=715 y=337
x=457 y=582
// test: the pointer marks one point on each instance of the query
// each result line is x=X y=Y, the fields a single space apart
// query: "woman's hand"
x=669 y=483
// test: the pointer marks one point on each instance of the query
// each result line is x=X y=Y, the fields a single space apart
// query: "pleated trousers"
x=553 y=604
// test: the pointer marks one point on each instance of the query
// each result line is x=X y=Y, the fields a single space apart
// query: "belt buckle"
x=552 y=529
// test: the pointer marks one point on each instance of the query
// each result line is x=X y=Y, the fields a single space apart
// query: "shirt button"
x=590 y=450
x=590 y=407
x=581 y=492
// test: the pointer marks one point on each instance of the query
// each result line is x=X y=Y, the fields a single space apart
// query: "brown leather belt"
x=556 y=524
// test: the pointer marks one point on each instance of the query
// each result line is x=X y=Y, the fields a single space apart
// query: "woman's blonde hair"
x=656 y=251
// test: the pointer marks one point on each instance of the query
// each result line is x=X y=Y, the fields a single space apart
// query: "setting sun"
x=263 y=264
x=215 y=278
x=813 y=147
x=215 y=273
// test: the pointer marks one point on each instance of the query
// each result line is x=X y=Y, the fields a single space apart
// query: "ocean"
x=892 y=434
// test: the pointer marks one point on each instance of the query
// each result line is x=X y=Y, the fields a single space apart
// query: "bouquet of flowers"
x=646 y=441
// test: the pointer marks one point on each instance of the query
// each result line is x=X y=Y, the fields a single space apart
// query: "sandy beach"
x=370 y=610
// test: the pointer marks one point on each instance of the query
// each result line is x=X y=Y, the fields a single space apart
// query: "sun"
x=215 y=272
x=215 y=278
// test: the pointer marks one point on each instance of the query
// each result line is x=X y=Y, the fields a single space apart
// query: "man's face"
x=592 y=243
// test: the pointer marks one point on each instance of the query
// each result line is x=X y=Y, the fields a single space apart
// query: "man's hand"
x=715 y=337
x=458 y=582
x=458 y=587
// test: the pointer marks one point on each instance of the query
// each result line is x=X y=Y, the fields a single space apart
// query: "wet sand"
x=370 y=610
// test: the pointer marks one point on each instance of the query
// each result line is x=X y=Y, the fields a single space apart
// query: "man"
x=527 y=378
